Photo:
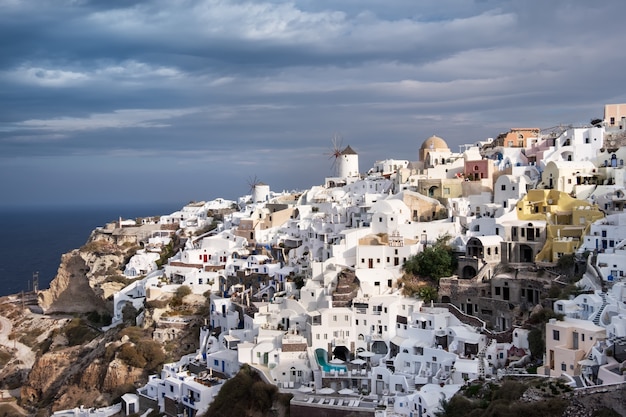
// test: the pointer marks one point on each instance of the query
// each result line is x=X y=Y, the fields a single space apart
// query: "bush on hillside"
x=78 y=332
x=434 y=262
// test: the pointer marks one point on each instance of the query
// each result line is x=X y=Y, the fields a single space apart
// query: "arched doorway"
x=525 y=253
x=341 y=352
x=468 y=272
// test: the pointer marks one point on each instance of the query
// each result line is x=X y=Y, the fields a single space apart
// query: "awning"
x=397 y=340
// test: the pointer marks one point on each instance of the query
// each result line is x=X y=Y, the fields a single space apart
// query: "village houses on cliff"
x=306 y=287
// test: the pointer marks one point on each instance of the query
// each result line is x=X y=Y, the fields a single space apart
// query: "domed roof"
x=434 y=142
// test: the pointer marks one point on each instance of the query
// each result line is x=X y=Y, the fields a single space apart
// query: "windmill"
x=259 y=191
x=335 y=152
x=253 y=182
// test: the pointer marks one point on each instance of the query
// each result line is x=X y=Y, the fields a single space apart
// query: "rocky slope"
x=83 y=374
x=81 y=285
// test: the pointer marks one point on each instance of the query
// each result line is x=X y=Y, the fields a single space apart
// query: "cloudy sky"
x=177 y=100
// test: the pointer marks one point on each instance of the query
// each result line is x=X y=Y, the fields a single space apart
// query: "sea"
x=34 y=238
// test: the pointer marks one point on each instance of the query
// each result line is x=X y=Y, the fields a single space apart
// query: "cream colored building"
x=613 y=115
x=568 y=342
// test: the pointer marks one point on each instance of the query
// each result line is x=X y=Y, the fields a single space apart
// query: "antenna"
x=335 y=152
x=35 y=281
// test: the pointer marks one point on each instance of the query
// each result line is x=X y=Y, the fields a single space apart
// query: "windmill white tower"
x=349 y=163
x=345 y=161
x=259 y=190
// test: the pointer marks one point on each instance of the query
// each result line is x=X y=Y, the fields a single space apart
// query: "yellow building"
x=567 y=220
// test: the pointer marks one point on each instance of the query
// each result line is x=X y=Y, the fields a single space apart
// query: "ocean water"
x=34 y=238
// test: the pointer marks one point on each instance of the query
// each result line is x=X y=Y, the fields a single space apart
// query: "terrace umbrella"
x=366 y=354
x=326 y=391
x=587 y=362
x=305 y=389
x=346 y=391
x=358 y=361
x=336 y=361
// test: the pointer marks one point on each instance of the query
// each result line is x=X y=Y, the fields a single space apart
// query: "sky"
x=125 y=102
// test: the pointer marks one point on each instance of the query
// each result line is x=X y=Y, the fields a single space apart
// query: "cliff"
x=84 y=374
x=82 y=283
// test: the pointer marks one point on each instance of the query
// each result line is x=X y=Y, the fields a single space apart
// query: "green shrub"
x=134 y=333
x=30 y=338
x=152 y=304
x=131 y=356
x=152 y=353
x=78 y=332
x=183 y=291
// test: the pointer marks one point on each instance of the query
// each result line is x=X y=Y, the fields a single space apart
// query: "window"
x=346 y=318
x=497 y=290
x=334 y=318
x=555 y=335
x=317 y=336
x=563 y=367
x=503 y=187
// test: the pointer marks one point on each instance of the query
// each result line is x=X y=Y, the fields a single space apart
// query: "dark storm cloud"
x=227 y=89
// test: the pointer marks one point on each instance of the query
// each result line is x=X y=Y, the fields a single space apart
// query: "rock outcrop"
x=70 y=291
x=83 y=374
x=79 y=286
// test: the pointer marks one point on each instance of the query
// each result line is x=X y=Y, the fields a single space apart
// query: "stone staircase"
x=410 y=382
x=598 y=315
x=347 y=288
x=481 y=359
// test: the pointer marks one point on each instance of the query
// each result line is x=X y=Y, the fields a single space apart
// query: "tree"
x=129 y=313
x=427 y=293
x=536 y=344
x=433 y=262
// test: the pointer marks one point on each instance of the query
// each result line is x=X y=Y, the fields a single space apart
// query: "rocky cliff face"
x=80 y=284
x=84 y=374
